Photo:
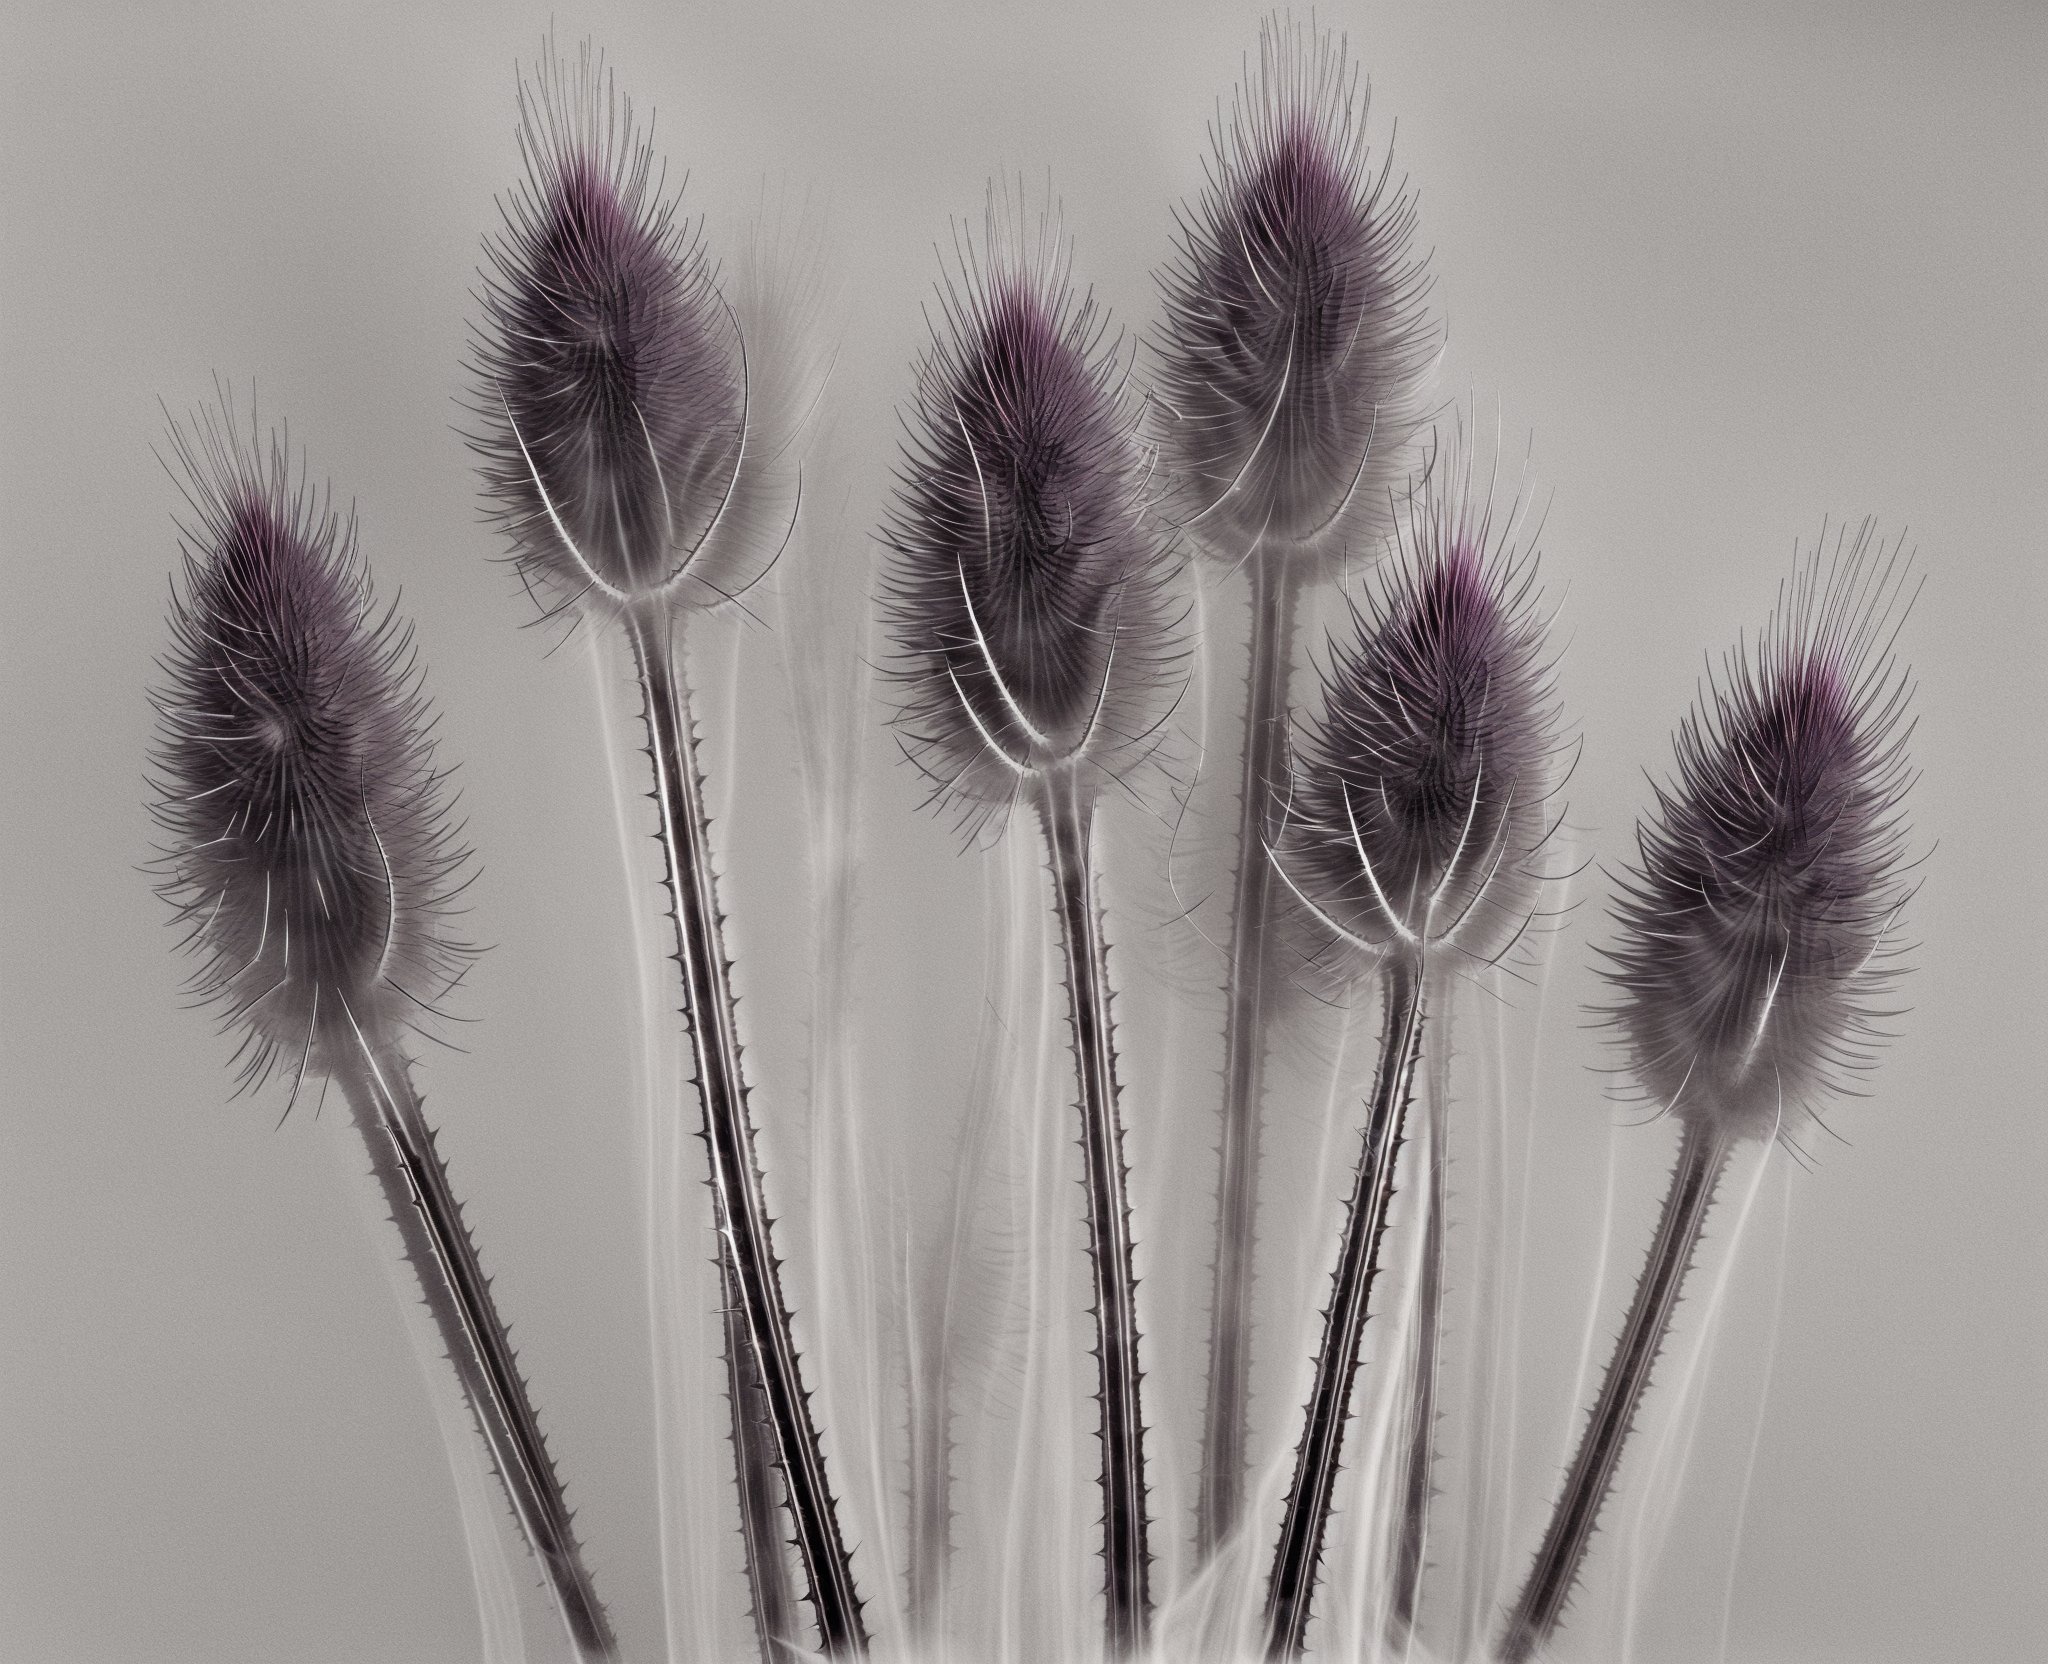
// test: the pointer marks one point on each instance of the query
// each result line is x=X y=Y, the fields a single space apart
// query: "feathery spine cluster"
x=1294 y=339
x=310 y=850
x=1027 y=598
x=610 y=379
x=1420 y=797
x=1752 y=925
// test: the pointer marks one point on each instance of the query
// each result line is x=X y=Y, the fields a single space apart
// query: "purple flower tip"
x=610 y=382
x=1026 y=594
x=1754 y=921
x=309 y=847
x=1294 y=341
x=1420 y=798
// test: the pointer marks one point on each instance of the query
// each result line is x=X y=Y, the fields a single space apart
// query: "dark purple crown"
x=1420 y=798
x=1025 y=595
x=611 y=385
x=310 y=850
x=1753 y=923
x=1294 y=339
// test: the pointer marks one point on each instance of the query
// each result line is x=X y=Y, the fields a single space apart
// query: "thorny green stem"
x=1702 y=1159
x=1297 y=1558
x=741 y=1211
x=1220 y=1504
x=408 y=1167
x=1127 y=1560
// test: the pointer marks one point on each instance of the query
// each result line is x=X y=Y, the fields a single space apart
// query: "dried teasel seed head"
x=1421 y=797
x=309 y=848
x=1294 y=344
x=611 y=379
x=1753 y=923
x=1027 y=593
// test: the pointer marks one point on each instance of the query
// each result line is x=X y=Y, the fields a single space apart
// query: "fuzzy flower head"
x=1294 y=342
x=1753 y=924
x=611 y=380
x=1421 y=798
x=1026 y=594
x=309 y=848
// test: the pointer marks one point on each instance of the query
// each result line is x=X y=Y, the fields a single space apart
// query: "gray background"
x=1734 y=268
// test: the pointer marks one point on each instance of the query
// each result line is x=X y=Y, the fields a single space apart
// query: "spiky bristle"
x=310 y=851
x=1294 y=342
x=1420 y=798
x=611 y=385
x=1026 y=598
x=1753 y=923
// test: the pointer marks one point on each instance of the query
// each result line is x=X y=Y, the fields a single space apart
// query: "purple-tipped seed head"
x=1420 y=798
x=1294 y=342
x=1026 y=594
x=611 y=386
x=1753 y=923
x=310 y=852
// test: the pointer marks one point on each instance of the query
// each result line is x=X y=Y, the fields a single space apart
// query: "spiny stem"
x=1298 y=1557
x=742 y=1213
x=1419 y=1464
x=775 y=1625
x=1702 y=1158
x=1127 y=1560
x=1225 y=1415
x=388 y=1113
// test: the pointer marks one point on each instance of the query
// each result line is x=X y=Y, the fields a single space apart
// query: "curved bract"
x=1753 y=923
x=612 y=385
x=1420 y=797
x=1294 y=340
x=1026 y=598
x=310 y=848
